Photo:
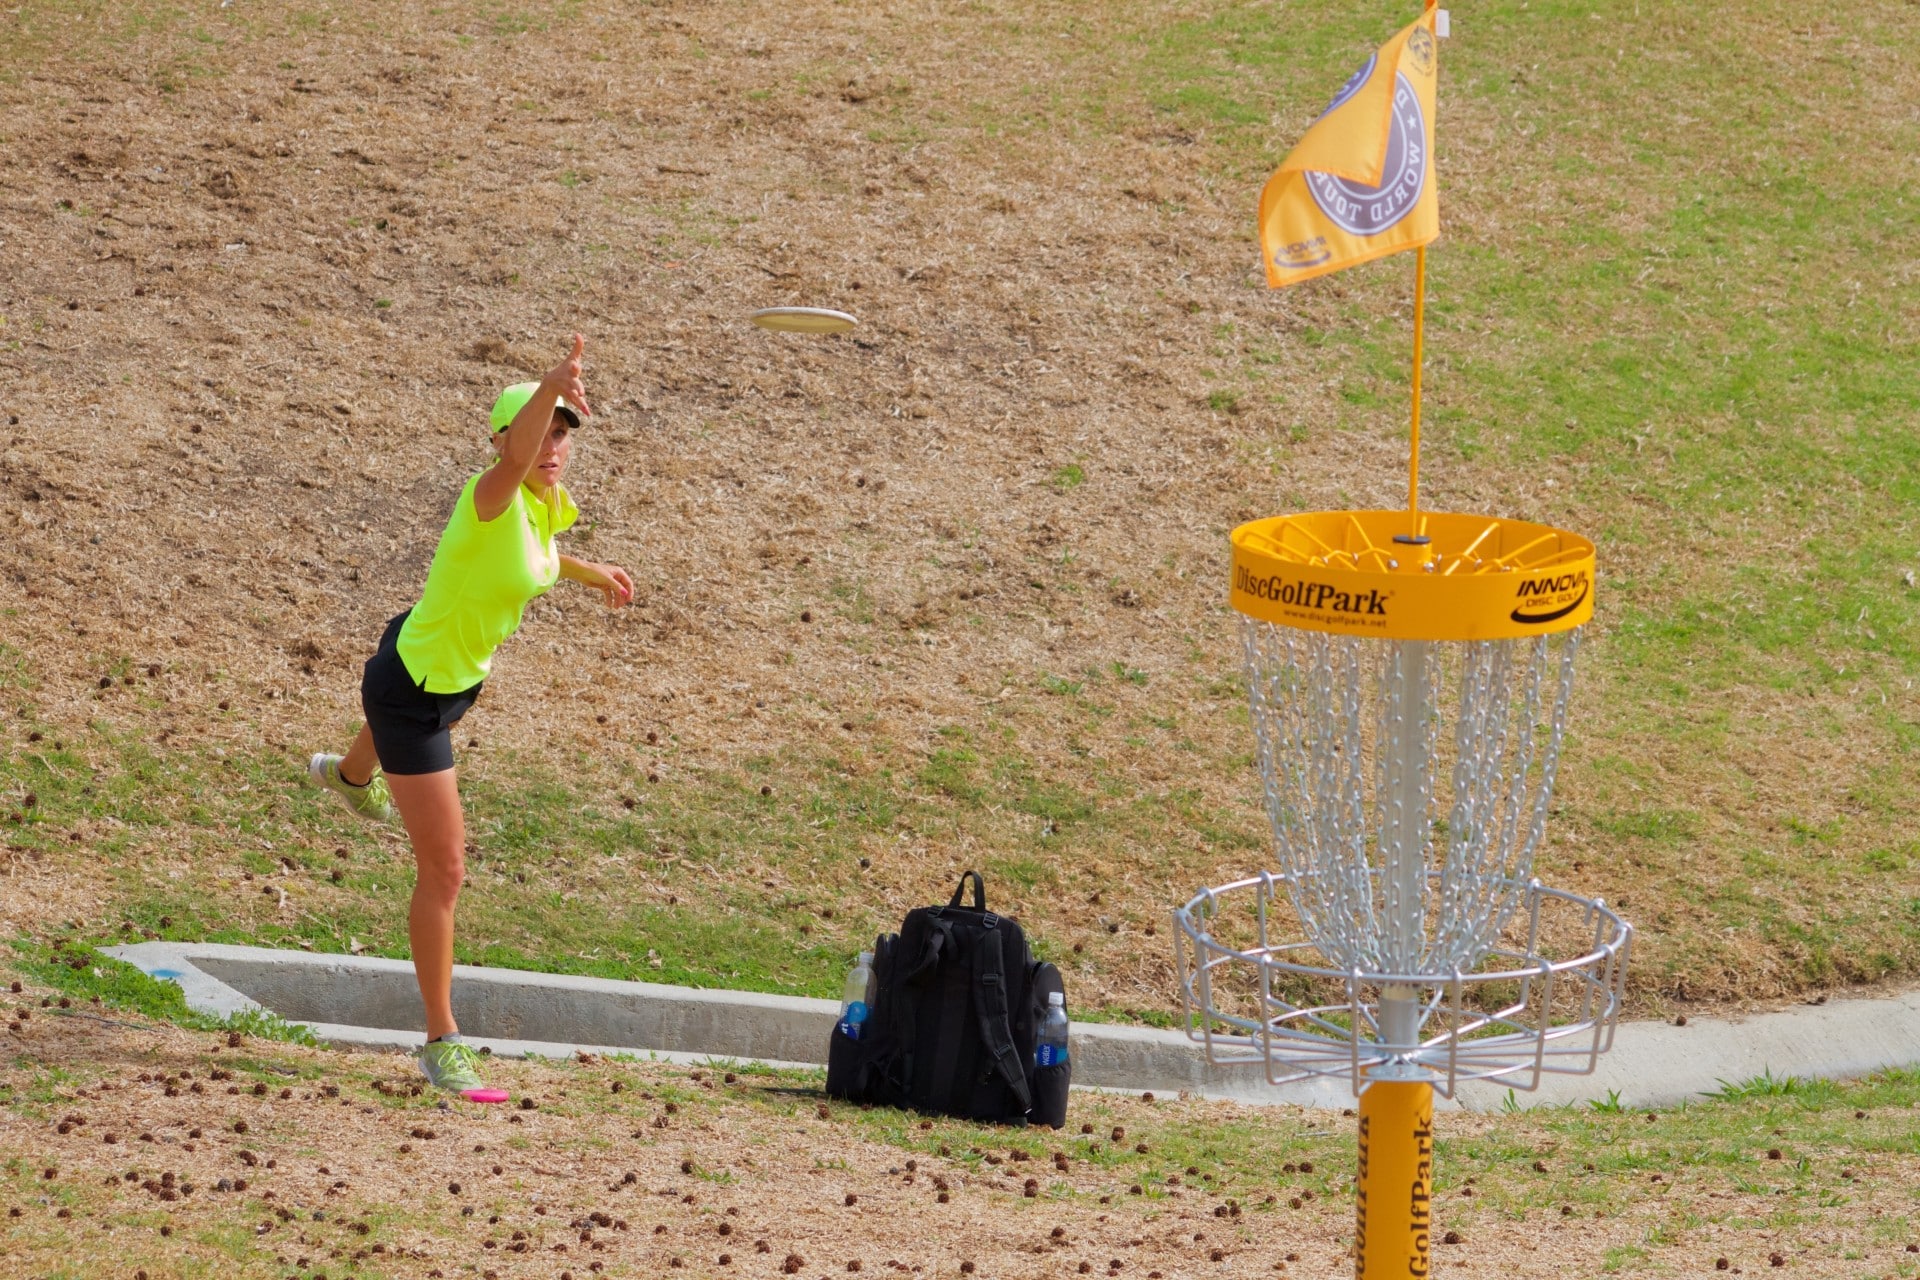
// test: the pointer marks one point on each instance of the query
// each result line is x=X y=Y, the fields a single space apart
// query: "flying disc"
x=803 y=320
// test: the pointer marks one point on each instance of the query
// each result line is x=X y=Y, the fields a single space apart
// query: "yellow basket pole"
x=1394 y=1198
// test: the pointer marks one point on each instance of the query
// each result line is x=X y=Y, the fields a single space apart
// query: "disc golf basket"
x=1409 y=678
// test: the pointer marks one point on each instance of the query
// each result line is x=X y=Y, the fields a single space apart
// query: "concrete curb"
x=371 y=1003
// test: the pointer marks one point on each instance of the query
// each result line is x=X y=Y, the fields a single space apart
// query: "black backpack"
x=956 y=1010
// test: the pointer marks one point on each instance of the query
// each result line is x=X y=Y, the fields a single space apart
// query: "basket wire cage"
x=1408 y=781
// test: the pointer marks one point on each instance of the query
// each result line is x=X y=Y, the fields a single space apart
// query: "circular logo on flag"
x=1353 y=85
x=1361 y=210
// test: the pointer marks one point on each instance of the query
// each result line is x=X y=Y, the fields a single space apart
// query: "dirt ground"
x=262 y=291
x=262 y=313
x=262 y=283
x=132 y=1150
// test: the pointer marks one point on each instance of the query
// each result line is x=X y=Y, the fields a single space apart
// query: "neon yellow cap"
x=515 y=397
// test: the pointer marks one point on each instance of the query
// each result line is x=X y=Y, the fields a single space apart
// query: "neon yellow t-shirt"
x=481 y=578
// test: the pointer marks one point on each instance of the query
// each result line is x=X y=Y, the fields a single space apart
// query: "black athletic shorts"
x=409 y=725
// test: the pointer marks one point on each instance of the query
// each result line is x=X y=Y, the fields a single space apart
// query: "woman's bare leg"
x=357 y=766
x=429 y=804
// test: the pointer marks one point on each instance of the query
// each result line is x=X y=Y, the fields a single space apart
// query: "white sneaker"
x=370 y=801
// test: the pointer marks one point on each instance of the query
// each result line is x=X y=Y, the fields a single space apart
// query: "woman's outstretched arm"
x=521 y=446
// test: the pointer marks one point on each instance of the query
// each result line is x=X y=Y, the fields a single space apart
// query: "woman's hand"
x=610 y=580
x=564 y=378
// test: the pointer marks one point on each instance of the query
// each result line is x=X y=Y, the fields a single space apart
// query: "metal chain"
x=1351 y=737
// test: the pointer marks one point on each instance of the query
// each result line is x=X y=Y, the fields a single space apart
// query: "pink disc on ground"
x=484 y=1095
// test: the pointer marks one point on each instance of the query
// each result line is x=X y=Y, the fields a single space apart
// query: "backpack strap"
x=979 y=891
x=913 y=971
x=887 y=1062
x=990 y=1003
x=939 y=938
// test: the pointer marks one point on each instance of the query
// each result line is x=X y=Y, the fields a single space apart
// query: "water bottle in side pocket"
x=853 y=997
x=1051 y=1050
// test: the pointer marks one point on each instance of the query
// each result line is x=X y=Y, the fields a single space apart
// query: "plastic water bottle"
x=853 y=997
x=1052 y=1049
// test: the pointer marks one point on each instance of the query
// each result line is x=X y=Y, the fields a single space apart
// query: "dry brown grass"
x=263 y=271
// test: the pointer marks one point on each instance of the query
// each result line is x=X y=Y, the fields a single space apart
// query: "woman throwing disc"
x=497 y=554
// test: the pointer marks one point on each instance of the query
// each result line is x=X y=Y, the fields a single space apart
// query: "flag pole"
x=1413 y=534
x=1419 y=333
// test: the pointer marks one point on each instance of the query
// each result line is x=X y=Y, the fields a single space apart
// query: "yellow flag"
x=1360 y=184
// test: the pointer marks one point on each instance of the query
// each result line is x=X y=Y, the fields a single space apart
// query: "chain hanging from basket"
x=1364 y=777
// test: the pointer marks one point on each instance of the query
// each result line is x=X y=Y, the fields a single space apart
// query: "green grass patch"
x=753 y=878
x=86 y=978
